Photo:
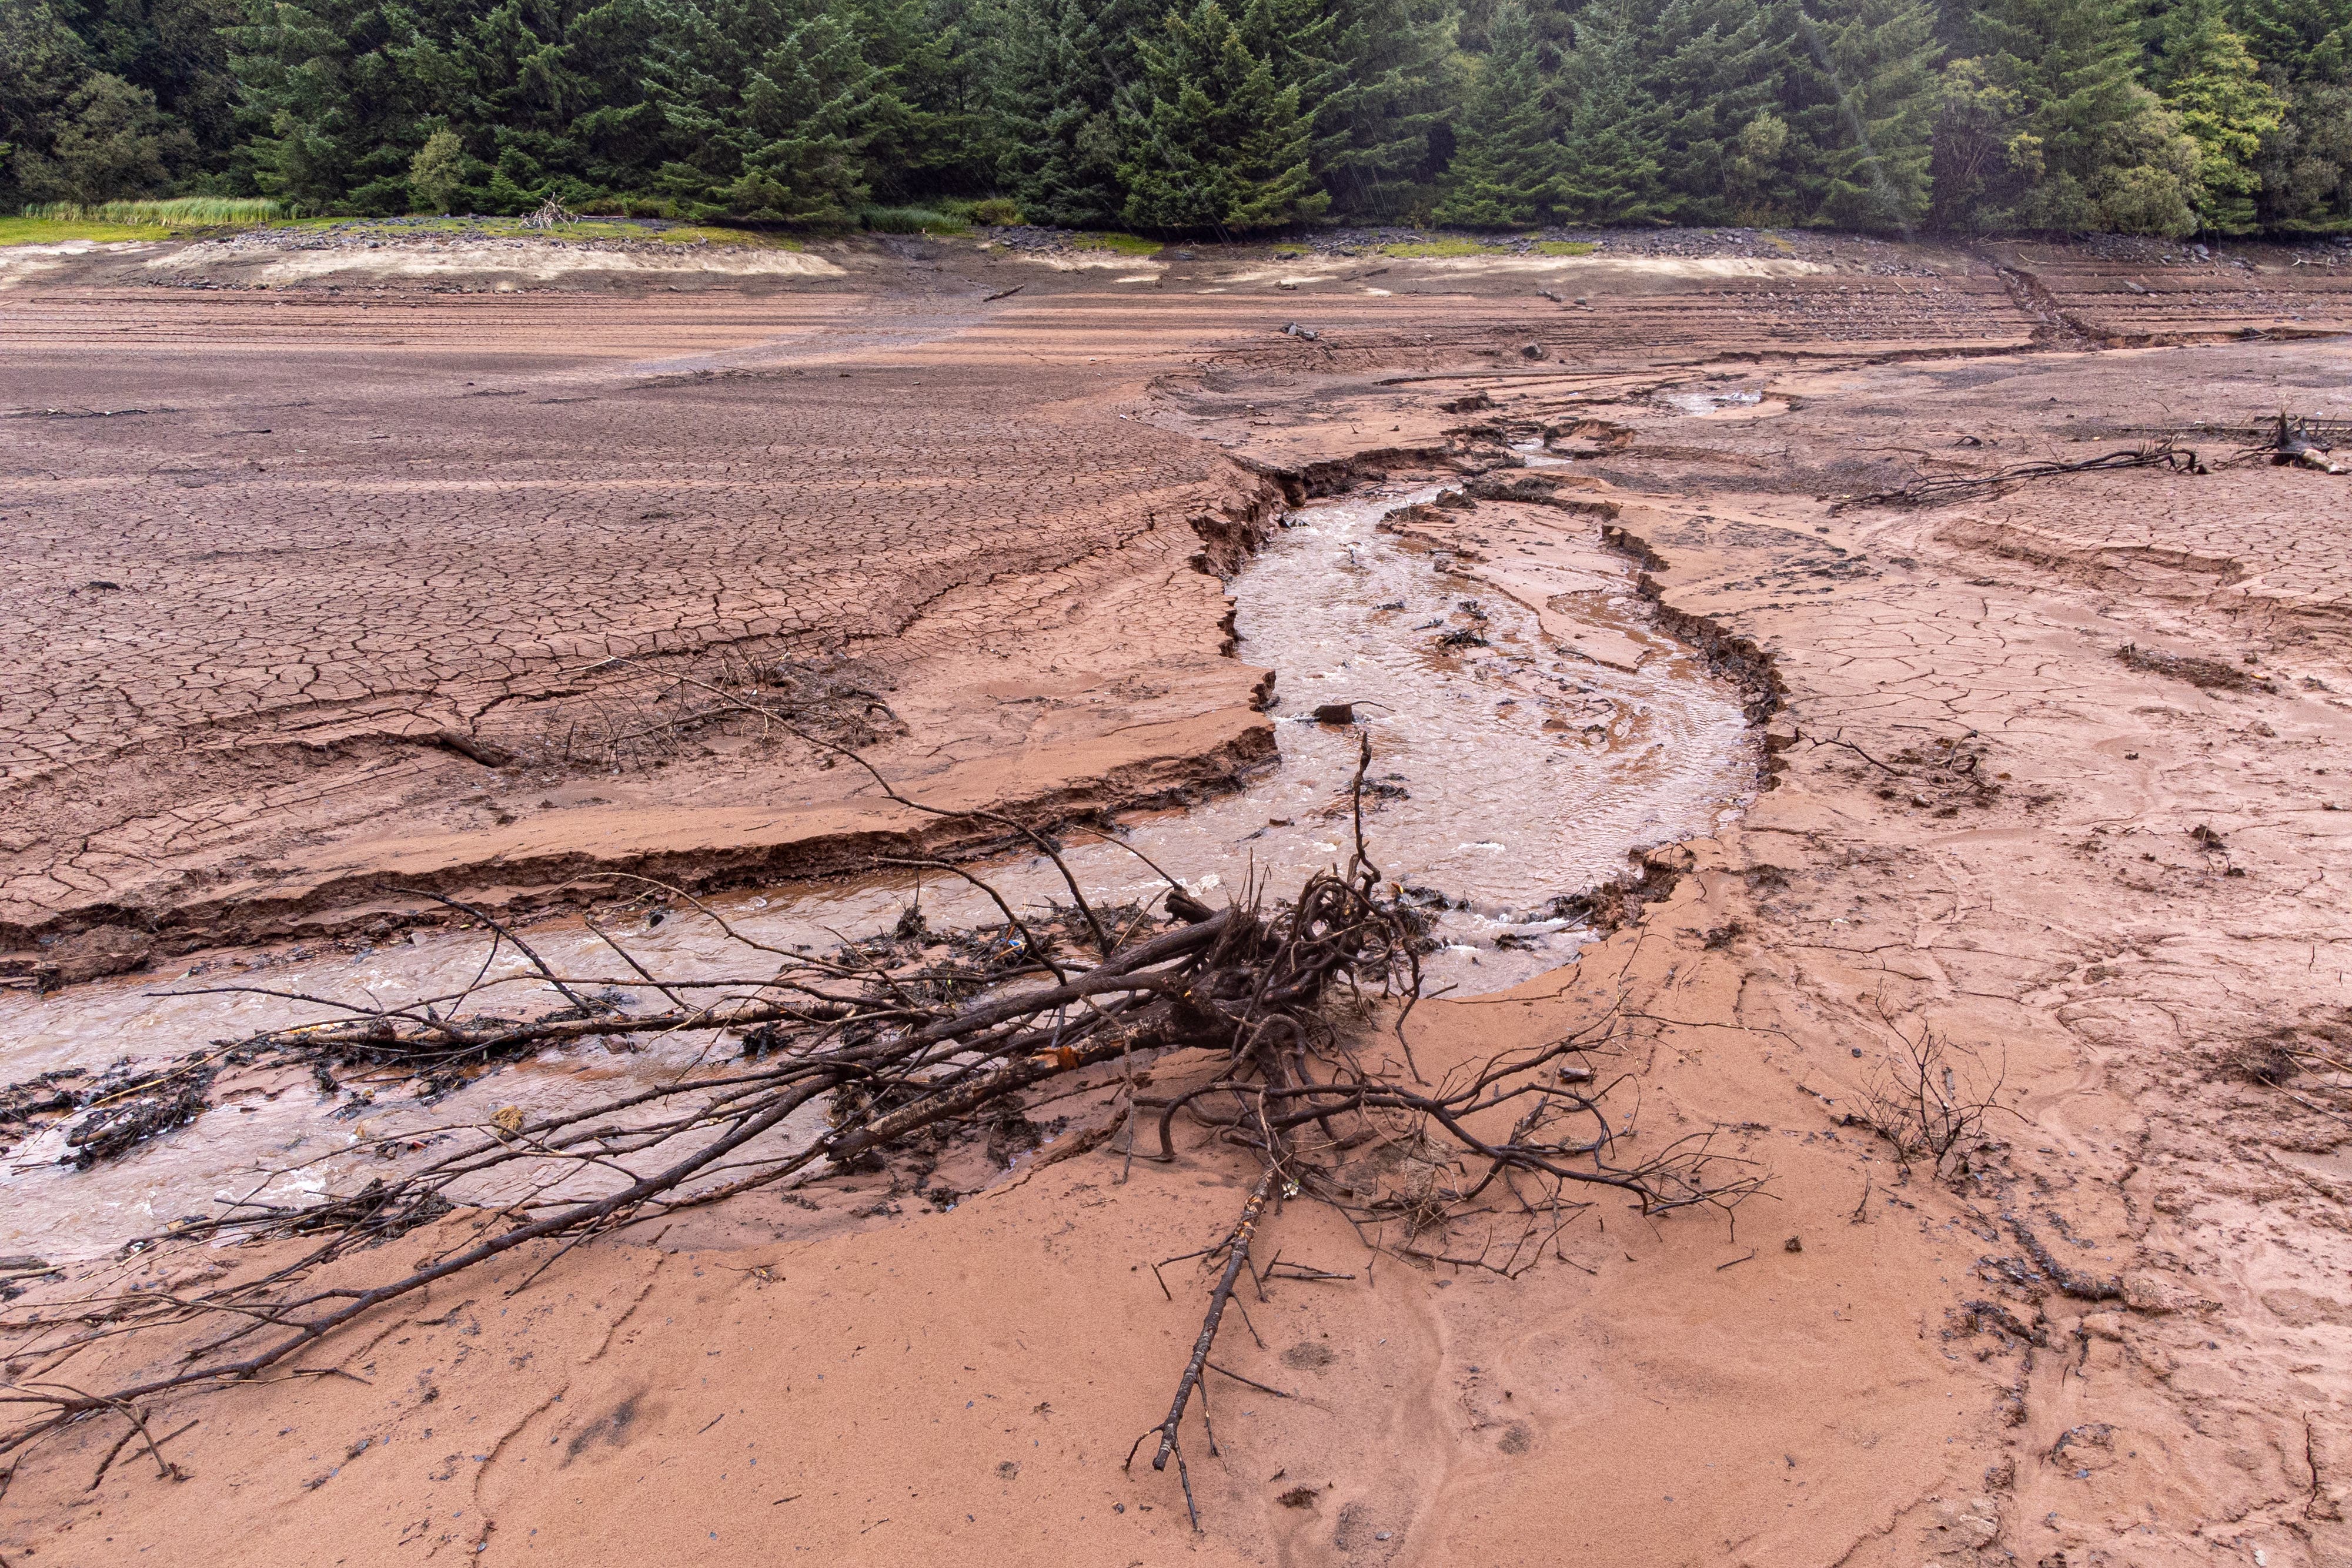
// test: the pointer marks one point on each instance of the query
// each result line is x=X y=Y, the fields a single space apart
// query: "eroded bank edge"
x=98 y=939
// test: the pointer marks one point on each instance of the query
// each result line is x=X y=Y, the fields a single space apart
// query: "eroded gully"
x=1529 y=729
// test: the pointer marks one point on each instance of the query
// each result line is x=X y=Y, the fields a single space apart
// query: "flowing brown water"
x=1507 y=771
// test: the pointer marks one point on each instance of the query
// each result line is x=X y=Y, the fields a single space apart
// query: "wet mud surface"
x=1514 y=772
x=2010 y=810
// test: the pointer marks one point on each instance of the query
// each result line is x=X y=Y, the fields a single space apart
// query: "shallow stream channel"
x=1529 y=726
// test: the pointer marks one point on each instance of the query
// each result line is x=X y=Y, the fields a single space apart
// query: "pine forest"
x=1208 y=117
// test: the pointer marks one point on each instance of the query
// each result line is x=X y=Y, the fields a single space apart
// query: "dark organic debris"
x=129 y=1105
x=2083 y=1287
x=1938 y=489
x=1941 y=776
x=2265 y=1062
x=2210 y=673
x=114 y=1111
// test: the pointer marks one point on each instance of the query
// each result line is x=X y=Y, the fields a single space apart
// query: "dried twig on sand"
x=1928 y=1097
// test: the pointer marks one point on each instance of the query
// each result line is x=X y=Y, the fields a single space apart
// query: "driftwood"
x=2300 y=443
x=1268 y=1008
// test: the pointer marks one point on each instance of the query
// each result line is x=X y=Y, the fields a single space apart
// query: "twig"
x=1236 y=1259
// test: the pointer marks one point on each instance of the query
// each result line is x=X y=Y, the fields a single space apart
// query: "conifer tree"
x=164 y=115
x=1711 y=67
x=2088 y=146
x=1508 y=163
x=2304 y=167
x=1387 y=96
x=2299 y=40
x=1609 y=161
x=1212 y=142
x=1861 y=99
x=808 y=106
x=931 y=130
x=2215 y=88
x=109 y=141
x=1065 y=63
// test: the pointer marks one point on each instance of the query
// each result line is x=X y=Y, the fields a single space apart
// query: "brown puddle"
x=1508 y=770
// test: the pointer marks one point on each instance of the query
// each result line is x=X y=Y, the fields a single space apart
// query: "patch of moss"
x=1421 y=250
x=1565 y=247
x=1118 y=244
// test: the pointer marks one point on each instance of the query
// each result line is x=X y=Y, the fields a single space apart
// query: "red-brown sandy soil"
x=2062 y=776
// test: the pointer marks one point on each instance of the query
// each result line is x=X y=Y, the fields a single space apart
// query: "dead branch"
x=879 y=1049
x=1938 y=489
x=1928 y=1098
x=1236 y=1248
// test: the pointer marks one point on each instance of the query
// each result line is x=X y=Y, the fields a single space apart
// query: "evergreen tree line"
x=2152 y=116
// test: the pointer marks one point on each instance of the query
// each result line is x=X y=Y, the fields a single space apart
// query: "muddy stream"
x=1510 y=769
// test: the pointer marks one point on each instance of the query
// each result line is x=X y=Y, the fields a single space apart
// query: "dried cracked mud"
x=322 y=593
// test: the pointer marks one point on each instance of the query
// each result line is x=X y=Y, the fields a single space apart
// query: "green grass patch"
x=52 y=222
x=1422 y=250
x=180 y=211
x=587 y=227
x=1565 y=247
x=56 y=231
x=1118 y=244
x=911 y=221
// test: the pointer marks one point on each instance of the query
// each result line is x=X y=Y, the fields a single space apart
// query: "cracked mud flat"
x=923 y=1386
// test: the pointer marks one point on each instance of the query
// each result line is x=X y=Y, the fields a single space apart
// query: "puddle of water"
x=1704 y=405
x=1506 y=773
